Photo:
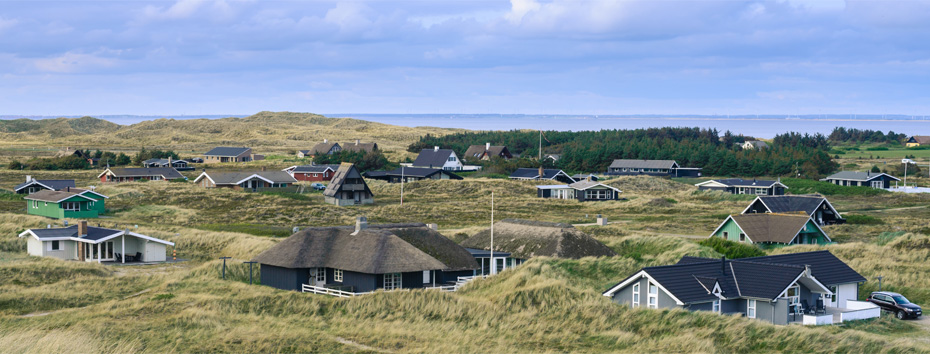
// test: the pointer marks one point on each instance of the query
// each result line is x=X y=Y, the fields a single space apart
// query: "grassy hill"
x=265 y=132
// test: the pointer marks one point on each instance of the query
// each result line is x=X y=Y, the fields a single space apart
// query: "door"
x=317 y=276
x=358 y=197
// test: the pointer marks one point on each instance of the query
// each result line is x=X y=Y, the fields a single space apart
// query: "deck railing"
x=307 y=288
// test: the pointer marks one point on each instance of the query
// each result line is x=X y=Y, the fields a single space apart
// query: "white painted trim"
x=713 y=181
x=639 y=275
x=92 y=192
x=30 y=184
x=104 y=173
x=733 y=274
x=810 y=220
x=202 y=175
x=754 y=202
x=737 y=225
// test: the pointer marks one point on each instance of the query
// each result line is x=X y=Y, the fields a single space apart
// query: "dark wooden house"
x=817 y=207
x=865 y=179
x=348 y=187
x=744 y=186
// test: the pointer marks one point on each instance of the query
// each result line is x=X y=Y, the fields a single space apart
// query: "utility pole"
x=493 y=265
x=879 y=282
x=401 y=184
x=540 y=145
x=224 y=266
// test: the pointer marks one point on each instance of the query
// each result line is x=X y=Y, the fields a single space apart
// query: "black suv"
x=896 y=303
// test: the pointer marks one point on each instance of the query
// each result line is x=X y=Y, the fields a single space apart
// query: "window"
x=425 y=277
x=653 y=296
x=742 y=237
x=71 y=206
x=593 y=194
x=392 y=281
x=90 y=204
x=751 y=308
x=636 y=295
x=337 y=275
x=451 y=158
x=35 y=204
x=726 y=235
x=716 y=306
x=878 y=184
x=315 y=174
x=830 y=299
x=53 y=246
x=762 y=191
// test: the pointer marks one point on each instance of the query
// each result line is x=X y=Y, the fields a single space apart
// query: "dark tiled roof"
x=345 y=170
x=432 y=158
x=378 y=249
x=792 y=203
x=163 y=162
x=235 y=177
x=321 y=148
x=548 y=173
x=314 y=168
x=858 y=176
x=477 y=151
x=621 y=163
x=768 y=227
x=366 y=147
x=828 y=269
x=739 y=182
x=55 y=184
x=921 y=139
x=166 y=172
x=93 y=233
x=226 y=151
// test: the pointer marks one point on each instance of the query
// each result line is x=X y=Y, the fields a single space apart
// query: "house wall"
x=625 y=296
x=453 y=165
x=360 y=282
x=732 y=230
x=780 y=312
x=580 y=194
x=34 y=247
x=411 y=280
x=283 y=278
x=154 y=252
x=67 y=252
x=813 y=235
x=704 y=306
x=451 y=277
x=722 y=189
x=543 y=193
x=846 y=292
x=309 y=176
x=733 y=306
x=349 y=199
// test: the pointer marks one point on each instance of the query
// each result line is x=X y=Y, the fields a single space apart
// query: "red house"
x=312 y=173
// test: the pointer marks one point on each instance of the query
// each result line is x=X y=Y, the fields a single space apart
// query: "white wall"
x=864 y=310
x=154 y=252
x=454 y=165
x=34 y=247
x=846 y=292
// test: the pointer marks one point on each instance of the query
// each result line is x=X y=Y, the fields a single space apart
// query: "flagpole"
x=493 y=265
x=401 y=184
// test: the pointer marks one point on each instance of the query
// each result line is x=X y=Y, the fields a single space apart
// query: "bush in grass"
x=731 y=249
x=855 y=219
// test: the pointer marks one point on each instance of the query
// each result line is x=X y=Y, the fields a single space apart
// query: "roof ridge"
x=767 y=263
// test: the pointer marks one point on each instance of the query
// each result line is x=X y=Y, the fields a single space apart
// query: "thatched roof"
x=379 y=249
x=527 y=239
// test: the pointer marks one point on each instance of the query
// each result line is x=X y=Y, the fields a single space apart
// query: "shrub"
x=731 y=249
x=855 y=219
x=877 y=148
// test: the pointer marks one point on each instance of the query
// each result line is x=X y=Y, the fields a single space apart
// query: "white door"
x=317 y=276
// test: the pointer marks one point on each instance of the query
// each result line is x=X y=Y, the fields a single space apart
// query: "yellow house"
x=918 y=140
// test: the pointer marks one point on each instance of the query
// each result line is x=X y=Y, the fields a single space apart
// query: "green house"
x=772 y=229
x=69 y=203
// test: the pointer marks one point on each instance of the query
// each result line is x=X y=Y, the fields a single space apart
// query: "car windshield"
x=901 y=300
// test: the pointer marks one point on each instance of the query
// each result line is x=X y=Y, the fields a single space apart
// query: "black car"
x=897 y=303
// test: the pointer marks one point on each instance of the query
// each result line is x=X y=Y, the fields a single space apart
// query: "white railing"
x=443 y=288
x=859 y=310
x=817 y=320
x=469 y=278
x=327 y=291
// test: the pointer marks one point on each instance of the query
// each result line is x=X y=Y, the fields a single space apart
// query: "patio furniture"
x=794 y=310
x=805 y=307
x=138 y=257
x=820 y=307
x=119 y=257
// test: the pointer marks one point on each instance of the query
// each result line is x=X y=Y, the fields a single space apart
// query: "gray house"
x=630 y=167
x=348 y=187
x=817 y=207
x=231 y=154
x=744 y=186
x=257 y=181
x=541 y=174
x=777 y=289
x=867 y=179
x=364 y=259
x=582 y=191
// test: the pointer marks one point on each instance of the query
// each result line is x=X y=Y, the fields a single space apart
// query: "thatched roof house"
x=527 y=238
x=365 y=258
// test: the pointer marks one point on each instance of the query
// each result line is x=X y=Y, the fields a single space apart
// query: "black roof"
x=226 y=151
x=791 y=203
x=746 y=182
x=737 y=278
x=93 y=233
x=166 y=172
x=432 y=157
x=828 y=269
x=486 y=253
x=314 y=168
x=548 y=173
x=420 y=172
x=55 y=184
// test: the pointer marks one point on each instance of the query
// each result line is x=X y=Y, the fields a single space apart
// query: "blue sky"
x=519 y=56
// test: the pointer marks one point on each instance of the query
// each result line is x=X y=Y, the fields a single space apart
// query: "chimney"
x=542 y=172
x=487 y=146
x=357 y=141
x=263 y=168
x=325 y=141
x=588 y=178
x=169 y=161
x=435 y=148
x=723 y=264
x=361 y=223
x=433 y=226
x=82 y=228
x=68 y=189
x=28 y=178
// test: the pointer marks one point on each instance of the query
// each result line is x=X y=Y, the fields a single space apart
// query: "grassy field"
x=545 y=305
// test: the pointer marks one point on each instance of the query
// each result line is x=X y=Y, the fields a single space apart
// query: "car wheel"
x=900 y=315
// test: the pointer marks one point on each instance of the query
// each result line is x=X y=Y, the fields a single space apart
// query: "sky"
x=465 y=56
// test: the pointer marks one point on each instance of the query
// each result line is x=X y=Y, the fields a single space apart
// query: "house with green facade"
x=68 y=203
x=772 y=229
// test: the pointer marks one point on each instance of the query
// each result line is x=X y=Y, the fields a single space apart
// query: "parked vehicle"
x=896 y=303
x=318 y=186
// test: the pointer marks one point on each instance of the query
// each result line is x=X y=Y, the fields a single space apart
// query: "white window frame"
x=426 y=277
x=636 y=295
x=878 y=184
x=393 y=281
x=762 y=191
x=51 y=246
x=742 y=237
x=751 y=308
x=653 y=296
x=337 y=275
x=793 y=299
x=715 y=306
x=71 y=206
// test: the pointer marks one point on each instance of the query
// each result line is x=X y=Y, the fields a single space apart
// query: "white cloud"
x=72 y=63
x=520 y=8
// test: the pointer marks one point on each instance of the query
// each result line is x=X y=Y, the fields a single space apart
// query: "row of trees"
x=589 y=151
x=853 y=135
x=145 y=154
